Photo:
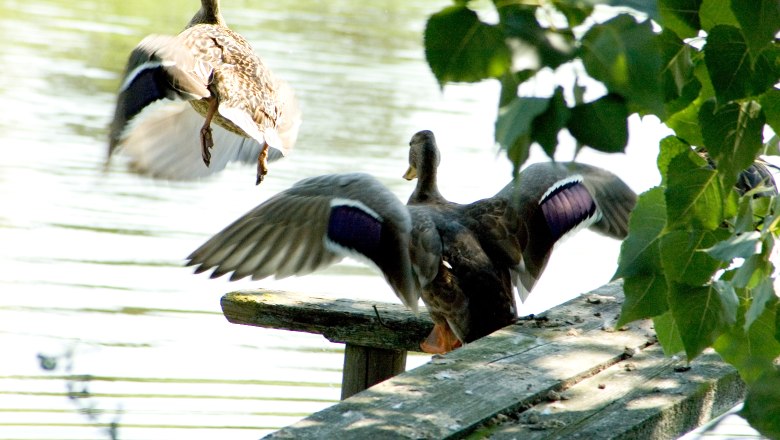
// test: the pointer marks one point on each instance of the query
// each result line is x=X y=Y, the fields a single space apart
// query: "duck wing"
x=614 y=199
x=163 y=142
x=158 y=68
x=314 y=224
x=551 y=200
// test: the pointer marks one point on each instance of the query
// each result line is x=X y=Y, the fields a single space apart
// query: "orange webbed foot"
x=440 y=341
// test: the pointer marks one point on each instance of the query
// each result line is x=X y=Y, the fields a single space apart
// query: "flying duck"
x=236 y=105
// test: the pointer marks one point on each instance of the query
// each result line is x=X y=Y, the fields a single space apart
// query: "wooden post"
x=367 y=366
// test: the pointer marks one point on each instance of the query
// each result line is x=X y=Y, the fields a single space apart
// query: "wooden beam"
x=646 y=396
x=363 y=323
x=493 y=383
x=367 y=366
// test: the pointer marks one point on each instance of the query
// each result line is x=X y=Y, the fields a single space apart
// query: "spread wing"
x=164 y=142
x=312 y=225
x=158 y=68
x=552 y=200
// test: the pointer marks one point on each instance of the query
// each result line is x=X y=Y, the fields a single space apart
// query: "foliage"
x=697 y=258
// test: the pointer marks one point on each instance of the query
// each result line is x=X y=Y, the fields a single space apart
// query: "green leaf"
x=733 y=136
x=763 y=298
x=514 y=125
x=460 y=47
x=762 y=404
x=601 y=124
x=625 y=56
x=772 y=146
x=777 y=326
x=770 y=104
x=575 y=11
x=547 y=125
x=753 y=270
x=745 y=222
x=729 y=301
x=677 y=69
x=753 y=351
x=693 y=195
x=703 y=75
x=520 y=22
x=759 y=22
x=732 y=74
x=715 y=12
x=683 y=256
x=668 y=333
x=681 y=16
x=737 y=246
x=699 y=314
x=688 y=95
x=670 y=147
x=510 y=81
x=685 y=123
x=640 y=251
x=645 y=298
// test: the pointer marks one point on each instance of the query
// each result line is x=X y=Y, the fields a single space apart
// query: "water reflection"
x=92 y=261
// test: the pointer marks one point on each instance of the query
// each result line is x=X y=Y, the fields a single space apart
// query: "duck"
x=755 y=180
x=207 y=87
x=465 y=262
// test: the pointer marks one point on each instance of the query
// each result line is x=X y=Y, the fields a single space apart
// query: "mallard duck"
x=217 y=72
x=464 y=261
x=756 y=178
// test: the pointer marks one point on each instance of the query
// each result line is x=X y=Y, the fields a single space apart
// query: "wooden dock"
x=567 y=373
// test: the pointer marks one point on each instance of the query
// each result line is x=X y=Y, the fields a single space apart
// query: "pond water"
x=91 y=263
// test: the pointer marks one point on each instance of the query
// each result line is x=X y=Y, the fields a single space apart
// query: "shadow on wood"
x=566 y=374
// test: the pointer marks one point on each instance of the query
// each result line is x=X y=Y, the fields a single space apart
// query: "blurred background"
x=92 y=282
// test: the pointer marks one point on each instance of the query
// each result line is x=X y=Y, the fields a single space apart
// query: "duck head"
x=424 y=155
x=424 y=159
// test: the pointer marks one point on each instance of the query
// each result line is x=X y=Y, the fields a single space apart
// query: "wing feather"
x=288 y=234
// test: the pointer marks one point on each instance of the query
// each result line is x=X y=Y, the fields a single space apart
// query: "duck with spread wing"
x=215 y=70
x=464 y=260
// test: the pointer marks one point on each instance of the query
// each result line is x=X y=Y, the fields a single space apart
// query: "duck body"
x=216 y=71
x=468 y=293
x=465 y=261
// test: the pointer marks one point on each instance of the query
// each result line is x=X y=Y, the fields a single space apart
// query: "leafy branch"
x=698 y=258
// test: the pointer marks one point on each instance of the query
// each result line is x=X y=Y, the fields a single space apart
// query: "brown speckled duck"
x=255 y=115
x=464 y=261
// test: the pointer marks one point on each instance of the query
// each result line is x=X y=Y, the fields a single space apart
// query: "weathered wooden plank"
x=511 y=369
x=367 y=366
x=363 y=323
x=646 y=396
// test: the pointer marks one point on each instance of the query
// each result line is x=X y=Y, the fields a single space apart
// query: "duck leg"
x=440 y=341
x=206 y=141
x=262 y=164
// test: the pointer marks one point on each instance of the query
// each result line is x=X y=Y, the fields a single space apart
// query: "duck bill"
x=410 y=173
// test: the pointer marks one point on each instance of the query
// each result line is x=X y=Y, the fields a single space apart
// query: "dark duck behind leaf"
x=204 y=87
x=756 y=179
x=464 y=261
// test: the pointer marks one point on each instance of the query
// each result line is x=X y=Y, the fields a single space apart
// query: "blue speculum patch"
x=566 y=207
x=355 y=229
x=146 y=88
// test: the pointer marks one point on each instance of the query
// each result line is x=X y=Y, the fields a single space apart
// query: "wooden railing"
x=565 y=374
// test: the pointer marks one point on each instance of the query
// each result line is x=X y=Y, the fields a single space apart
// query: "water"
x=91 y=263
